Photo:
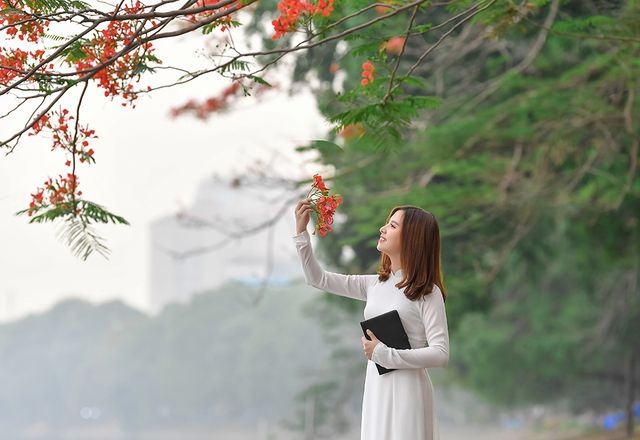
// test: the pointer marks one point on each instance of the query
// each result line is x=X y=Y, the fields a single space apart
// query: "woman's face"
x=390 y=236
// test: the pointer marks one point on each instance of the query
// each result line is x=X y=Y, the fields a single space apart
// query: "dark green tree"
x=530 y=162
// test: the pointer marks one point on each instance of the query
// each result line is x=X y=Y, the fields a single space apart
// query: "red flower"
x=61 y=192
x=367 y=73
x=351 y=131
x=292 y=12
x=394 y=45
x=383 y=9
x=324 y=205
x=319 y=183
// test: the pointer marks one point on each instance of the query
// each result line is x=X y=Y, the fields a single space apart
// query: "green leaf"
x=413 y=81
x=152 y=58
x=76 y=51
x=76 y=229
x=236 y=65
x=208 y=28
x=93 y=211
x=322 y=144
x=55 y=5
x=422 y=28
x=259 y=80
x=589 y=24
x=81 y=238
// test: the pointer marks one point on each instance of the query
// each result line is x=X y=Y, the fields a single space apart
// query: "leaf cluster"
x=530 y=170
x=76 y=229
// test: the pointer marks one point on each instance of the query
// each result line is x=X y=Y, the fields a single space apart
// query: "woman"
x=398 y=405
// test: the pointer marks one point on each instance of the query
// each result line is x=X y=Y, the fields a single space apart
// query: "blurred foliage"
x=219 y=360
x=530 y=163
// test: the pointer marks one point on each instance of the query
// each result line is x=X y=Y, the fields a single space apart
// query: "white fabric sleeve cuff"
x=377 y=352
x=301 y=237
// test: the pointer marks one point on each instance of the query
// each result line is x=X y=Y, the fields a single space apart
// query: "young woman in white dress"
x=398 y=405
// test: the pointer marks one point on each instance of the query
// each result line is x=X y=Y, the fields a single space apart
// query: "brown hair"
x=419 y=254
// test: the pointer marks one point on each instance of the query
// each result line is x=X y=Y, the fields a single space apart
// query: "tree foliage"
x=515 y=122
x=56 y=50
x=531 y=164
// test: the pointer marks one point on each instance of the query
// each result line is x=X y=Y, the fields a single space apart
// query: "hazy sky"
x=148 y=165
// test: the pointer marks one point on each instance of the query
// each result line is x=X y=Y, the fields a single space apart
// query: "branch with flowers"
x=53 y=47
x=324 y=205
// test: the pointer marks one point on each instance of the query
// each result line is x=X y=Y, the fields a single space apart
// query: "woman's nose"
x=382 y=229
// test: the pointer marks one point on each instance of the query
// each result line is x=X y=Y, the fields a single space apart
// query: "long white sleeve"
x=352 y=286
x=436 y=354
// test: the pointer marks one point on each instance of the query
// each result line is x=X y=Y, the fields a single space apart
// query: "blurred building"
x=224 y=236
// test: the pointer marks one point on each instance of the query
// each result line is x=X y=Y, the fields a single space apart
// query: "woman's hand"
x=369 y=345
x=302 y=211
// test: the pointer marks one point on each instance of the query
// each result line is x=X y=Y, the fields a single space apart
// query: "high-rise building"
x=232 y=232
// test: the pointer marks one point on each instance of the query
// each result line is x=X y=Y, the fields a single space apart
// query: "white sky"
x=148 y=165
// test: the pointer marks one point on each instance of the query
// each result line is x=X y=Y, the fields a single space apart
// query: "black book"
x=388 y=329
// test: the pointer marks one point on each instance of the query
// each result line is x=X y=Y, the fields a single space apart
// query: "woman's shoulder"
x=434 y=296
x=370 y=279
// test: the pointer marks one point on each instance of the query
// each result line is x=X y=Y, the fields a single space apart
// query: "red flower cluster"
x=15 y=62
x=202 y=110
x=292 y=10
x=117 y=77
x=323 y=204
x=22 y=24
x=352 y=131
x=74 y=143
x=367 y=73
x=394 y=45
x=61 y=192
x=383 y=8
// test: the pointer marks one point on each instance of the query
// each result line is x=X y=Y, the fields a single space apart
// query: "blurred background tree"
x=530 y=162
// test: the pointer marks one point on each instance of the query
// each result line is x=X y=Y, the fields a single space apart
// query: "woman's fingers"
x=302 y=212
x=303 y=206
x=369 y=345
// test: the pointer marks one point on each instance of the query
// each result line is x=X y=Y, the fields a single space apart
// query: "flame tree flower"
x=367 y=73
x=324 y=205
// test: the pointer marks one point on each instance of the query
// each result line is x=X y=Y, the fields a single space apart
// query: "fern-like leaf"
x=92 y=212
x=82 y=239
x=76 y=229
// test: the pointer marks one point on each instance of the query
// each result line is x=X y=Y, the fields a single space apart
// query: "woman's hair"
x=419 y=254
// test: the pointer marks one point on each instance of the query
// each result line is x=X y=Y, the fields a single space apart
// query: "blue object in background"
x=612 y=420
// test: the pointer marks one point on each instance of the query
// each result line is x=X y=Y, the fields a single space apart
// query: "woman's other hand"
x=369 y=345
x=302 y=211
